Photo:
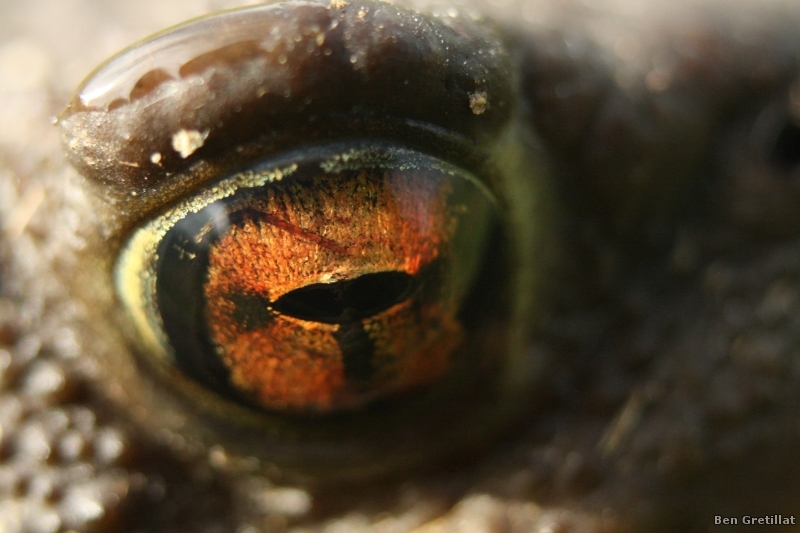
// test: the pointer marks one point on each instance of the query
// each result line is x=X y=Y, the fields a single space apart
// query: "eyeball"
x=326 y=228
x=317 y=283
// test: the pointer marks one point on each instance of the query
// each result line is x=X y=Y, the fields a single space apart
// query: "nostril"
x=346 y=301
x=786 y=152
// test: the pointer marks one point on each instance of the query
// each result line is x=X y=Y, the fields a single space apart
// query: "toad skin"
x=671 y=336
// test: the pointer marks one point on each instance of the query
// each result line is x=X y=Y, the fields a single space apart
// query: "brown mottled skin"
x=670 y=328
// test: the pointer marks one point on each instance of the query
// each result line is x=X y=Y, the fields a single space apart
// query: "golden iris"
x=313 y=285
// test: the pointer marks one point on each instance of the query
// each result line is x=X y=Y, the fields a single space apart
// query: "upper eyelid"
x=270 y=88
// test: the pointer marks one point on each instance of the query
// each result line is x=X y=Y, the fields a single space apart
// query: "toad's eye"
x=325 y=228
x=311 y=285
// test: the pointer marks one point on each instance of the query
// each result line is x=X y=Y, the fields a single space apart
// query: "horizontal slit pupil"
x=346 y=301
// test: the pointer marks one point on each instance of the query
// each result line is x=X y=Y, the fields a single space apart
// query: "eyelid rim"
x=439 y=62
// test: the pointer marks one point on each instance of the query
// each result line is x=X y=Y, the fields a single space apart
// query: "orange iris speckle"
x=366 y=247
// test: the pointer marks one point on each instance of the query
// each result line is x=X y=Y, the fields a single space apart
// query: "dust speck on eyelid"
x=479 y=102
x=187 y=142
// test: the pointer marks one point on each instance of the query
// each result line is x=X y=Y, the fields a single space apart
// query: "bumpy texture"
x=671 y=335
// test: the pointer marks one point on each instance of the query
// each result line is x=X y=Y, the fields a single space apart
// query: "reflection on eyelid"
x=184 y=52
